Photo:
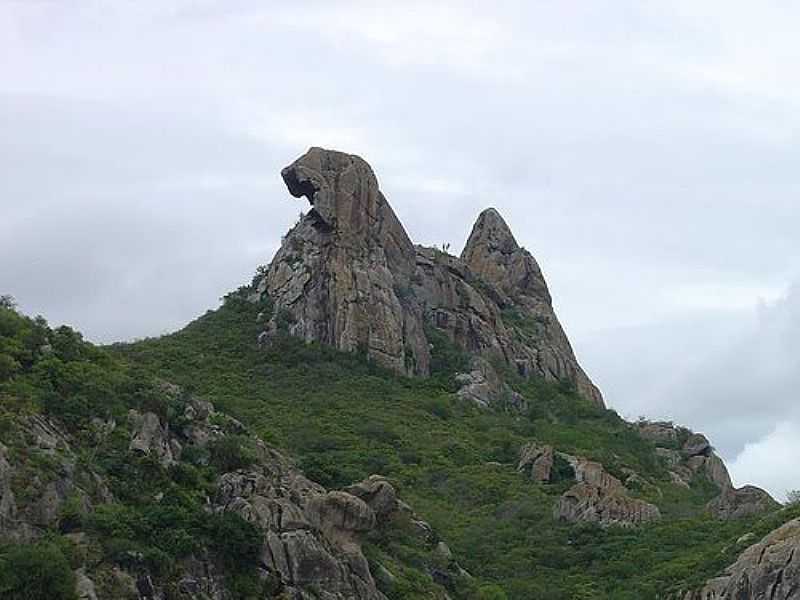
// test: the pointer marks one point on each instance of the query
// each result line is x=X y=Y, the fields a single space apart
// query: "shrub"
x=439 y=407
x=562 y=470
x=235 y=540
x=447 y=359
x=231 y=452
x=36 y=572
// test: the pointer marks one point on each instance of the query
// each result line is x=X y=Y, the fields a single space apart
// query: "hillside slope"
x=457 y=463
x=366 y=420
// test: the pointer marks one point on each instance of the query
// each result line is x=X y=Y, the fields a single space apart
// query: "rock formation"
x=769 y=569
x=540 y=345
x=596 y=497
x=696 y=458
x=32 y=501
x=348 y=275
x=599 y=497
x=658 y=432
x=311 y=536
x=340 y=273
x=606 y=506
x=738 y=503
x=537 y=461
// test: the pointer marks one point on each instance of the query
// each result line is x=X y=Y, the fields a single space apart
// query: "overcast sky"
x=646 y=152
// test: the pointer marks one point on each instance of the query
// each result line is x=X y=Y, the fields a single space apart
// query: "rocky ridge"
x=349 y=276
x=311 y=536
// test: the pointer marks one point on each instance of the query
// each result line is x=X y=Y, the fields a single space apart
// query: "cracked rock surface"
x=348 y=275
x=769 y=569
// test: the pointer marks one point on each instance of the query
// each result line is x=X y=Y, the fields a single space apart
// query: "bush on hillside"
x=36 y=572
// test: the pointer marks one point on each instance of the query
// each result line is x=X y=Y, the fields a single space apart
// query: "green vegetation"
x=160 y=514
x=36 y=572
x=344 y=419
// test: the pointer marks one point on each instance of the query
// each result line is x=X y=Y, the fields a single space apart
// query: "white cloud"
x=771 y=462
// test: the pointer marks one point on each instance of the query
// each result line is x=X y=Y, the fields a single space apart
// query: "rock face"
x=659 y=432
x=769 y=569
x=606 y=506
x=341 y=272
x=380 y=496
x=492 y=253
x=312 y=536
x=738 y=503
x=483 y=386
x=348 y=275
x=596 y=497
x=537 y=461
x=378 y=493
x=151 y=438
x=697 y=445
x=599 y=497
x=32 y=499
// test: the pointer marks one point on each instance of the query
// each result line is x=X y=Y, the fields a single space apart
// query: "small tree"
x=793 y=497
x=7 y=301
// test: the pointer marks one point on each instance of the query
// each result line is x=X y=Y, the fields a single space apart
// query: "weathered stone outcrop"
x=541 y=348
x=599 y=497
x=341 y=274
x=152 y=438
x=697 y=445
x=606 y=506
x=699 y=458
x=348 y=275
x=389 y=510
x=312 y=537
x=769 y=569
x=32 y=498
x=596 y=497
x=696 y=458
x=659 y=432
x=483 y=386
x=593 y=473
x=378 y=494
x=738 y=503
x=537 y=461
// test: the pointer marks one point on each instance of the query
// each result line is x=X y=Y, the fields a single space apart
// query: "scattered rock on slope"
x=596 y=497
x=606 y=506
x=697 y=458
x=659 y=432
x=599 y=497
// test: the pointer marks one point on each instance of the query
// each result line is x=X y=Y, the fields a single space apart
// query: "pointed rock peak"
x=489 y=234
x=493 y=253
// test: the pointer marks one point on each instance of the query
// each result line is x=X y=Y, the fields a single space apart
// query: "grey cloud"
x=734 y=376
x=642 y=155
